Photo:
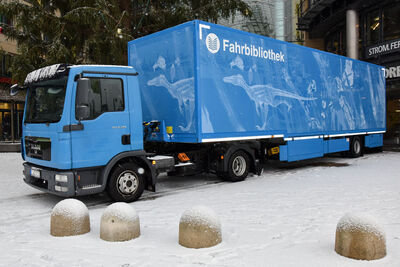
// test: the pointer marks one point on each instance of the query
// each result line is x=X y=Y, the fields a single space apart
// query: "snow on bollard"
x=358 y=236
x=69 y=217
x=199 y=227
x=119 y=222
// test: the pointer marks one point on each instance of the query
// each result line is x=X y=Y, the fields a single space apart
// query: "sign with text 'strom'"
x=382 y=48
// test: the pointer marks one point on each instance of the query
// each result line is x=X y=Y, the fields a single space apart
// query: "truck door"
x=106 y=131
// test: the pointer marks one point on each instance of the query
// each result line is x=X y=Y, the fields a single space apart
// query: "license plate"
x=35 y=173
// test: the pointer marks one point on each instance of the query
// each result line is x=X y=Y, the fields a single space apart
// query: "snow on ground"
x=286 y=217
x=11 y=172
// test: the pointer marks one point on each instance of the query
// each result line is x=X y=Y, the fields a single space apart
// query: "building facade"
x=368 y=30
x=11 y=107
x=273 y=18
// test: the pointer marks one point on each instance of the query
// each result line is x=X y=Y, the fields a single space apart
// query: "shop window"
x=11 y=115
x=5 y=126
x=4 y=105
x=391 y=22
x=20 y=107
x=373 y=27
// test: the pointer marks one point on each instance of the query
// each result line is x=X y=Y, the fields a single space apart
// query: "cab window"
x=105 y=95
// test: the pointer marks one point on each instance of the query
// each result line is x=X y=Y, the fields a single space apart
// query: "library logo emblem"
x=212 y=43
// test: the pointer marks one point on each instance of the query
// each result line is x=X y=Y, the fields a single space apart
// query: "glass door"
x=5 y=125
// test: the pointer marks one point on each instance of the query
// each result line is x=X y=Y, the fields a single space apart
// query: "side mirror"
x=82 y=91
x=14 y=89
x=82 y=110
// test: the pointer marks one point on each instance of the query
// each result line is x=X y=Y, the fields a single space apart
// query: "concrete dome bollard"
x=119 y=222
x=69 y=217
x=358 y=236
x=199 y=227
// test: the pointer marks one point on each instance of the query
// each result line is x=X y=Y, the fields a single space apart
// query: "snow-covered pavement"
x=286 y=217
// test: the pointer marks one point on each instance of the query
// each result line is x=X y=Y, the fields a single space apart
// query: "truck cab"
x=81 y=124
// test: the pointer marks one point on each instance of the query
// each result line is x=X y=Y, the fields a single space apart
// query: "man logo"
x=212 y=43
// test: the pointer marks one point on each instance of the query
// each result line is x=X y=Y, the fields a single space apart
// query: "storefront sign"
x=392 y=72
x=383 y=48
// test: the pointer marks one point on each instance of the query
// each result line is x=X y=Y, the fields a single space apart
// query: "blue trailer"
x=197 y=97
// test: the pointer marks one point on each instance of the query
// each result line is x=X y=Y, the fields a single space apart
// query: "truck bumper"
x=44 y=179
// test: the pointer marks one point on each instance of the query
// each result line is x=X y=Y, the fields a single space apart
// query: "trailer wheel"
x=238 y=167
x=126 y=182
x=356 y=148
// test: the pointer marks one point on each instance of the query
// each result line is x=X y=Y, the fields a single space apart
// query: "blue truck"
x=194 y=98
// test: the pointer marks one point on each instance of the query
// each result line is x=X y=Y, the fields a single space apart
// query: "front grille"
x=38 y=147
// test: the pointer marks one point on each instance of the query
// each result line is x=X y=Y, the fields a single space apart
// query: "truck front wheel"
x=126 y=182
x=238 y=167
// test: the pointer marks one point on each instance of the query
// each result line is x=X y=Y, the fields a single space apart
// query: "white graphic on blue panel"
x=348 y=74
x=212 y=43
x=178 y=61
x=313 y=120
x=250 y=76
x=378 y=99
x=237 y=62
x=343 y=102
x=182 y=91
x=312 y=87
x=172 y=73
x=264 y=96
x=160 y=63
x=207 y=126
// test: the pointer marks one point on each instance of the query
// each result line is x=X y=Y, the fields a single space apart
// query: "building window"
x=5 y=63
x=336 y=42
x=391 y=22
x=373 y=27
x=5 y=20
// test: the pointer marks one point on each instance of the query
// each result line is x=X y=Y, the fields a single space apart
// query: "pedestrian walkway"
x=10 y=147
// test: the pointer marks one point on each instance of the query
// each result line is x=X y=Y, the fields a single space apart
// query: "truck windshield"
x=45 y=101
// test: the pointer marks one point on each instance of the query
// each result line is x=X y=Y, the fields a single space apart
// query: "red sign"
x=5 y=80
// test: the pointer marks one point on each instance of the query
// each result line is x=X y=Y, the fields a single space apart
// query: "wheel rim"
x=239 y=166
x=357 y=147
x=127 y=182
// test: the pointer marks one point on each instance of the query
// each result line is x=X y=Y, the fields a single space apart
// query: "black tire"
x=125 y=183
x=356 y=147
x=238 y=167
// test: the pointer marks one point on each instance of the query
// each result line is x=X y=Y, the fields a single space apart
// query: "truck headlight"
x=61 y=178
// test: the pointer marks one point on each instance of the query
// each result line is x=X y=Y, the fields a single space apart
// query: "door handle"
x=126 y=139
x=73 y=127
